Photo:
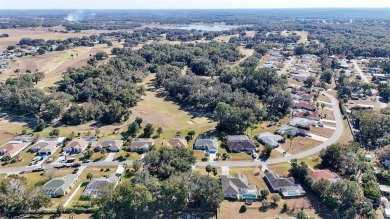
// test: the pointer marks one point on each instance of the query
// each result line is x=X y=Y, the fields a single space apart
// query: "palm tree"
x=89 y=176
x=218 y=155
x=322 y=106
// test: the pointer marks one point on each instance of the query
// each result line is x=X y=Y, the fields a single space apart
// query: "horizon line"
x=162 y=9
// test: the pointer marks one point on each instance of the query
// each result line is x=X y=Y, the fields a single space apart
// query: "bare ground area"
x=299 y=144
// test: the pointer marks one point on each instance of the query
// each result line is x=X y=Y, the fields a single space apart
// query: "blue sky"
x=186 y=4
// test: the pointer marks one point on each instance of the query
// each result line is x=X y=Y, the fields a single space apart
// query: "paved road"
x=333 y=139
x=287 y=65
x=359 y=70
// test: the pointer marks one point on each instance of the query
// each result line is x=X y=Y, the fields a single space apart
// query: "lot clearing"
x=299 y=144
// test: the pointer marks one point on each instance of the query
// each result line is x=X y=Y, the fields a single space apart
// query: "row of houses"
x=237 y=186
x=303 y=69
x=14 y=146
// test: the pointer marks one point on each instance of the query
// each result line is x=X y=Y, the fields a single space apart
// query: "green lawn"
x=32 y=178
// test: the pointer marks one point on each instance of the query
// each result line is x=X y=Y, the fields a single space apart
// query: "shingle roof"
x=277 y=182
x=321 y=174
x=210 y=143
x=176 y=142
x=110 y=143
x=231 y=185
x=77 y=143
x=142 y=143
x=60 y=184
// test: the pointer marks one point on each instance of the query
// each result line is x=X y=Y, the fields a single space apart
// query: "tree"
x=302 y=215
x=242 y=209
x=159 y=131
x=54 y=132
x=41 y=125
x=101 y=56
x=136 y=166
x=38 y=76
x=264 y=193
x=266 y=152
x=322 y=107
x=133 y=129
x=208 y=169
x=41 y=51
x=60 y=209
x=372 y=192
x=148 y=130
x=327 y=76
x=24 y=131
x=206 y=192
x=309 y=82
x=89 y=176
x=275 y=198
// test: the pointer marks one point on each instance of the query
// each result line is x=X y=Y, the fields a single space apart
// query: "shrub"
x=243 y=209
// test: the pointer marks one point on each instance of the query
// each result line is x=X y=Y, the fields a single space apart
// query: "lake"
x=202 y=27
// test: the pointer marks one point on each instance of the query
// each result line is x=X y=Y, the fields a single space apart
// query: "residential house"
x=76 y=146
x=58 y=187
x=176 y=142
x=303 y=96
x=96 y=186
x=47 y=145
x=15 y=146
x=301 y=77
x=208 y=144
x=304 y=105
x=10 y=150
x=322 y=174
x=291 y=131
x=302 y=123
x=267 y=138
x=306 y=114
x=239 y=143
x=109 y=145
x=141 y=144
x=286 y=186
x=238 y=186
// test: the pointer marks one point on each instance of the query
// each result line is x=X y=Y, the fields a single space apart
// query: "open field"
x=303 y=35
x=15 y=35
x=250 y=33
x=246 y=52
x=299 y=144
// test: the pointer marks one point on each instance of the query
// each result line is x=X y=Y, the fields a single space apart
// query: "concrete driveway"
x=110 y=157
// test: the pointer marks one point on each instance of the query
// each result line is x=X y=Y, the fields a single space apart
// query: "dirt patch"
x=324 y=132
x=251 y=33
x=303 y=35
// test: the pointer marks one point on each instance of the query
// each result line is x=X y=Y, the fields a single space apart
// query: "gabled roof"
x=60 y=185
x=321 y=174
x=77 y=143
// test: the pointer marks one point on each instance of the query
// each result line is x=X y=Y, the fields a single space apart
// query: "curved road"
x=333 y=139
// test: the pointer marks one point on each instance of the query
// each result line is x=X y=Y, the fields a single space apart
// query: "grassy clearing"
x=324 y=132
x=33 y=178
x=249 y=172
x=281 y=168
x=347 y=135
x=303 y=35
x=299 y=144
x=66 y=55
x=250 y=33
x=133 y=155
x=312 y=160
x=202 y=171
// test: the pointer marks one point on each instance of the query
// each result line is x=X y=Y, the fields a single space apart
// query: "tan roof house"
x=109 y=145
x=141 y=144
x=10 y=150
x=176 y=142
x=76 y=146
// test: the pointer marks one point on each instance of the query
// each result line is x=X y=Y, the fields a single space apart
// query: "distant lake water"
x=201 y=27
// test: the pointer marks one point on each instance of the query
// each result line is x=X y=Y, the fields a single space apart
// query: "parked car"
x=70 y=160
x=76 y=164
x=86 y=161
x=75 y=170
x=320 y=124
x=38 y=169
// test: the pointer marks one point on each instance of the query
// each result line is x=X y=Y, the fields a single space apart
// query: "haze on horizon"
x=188 y=4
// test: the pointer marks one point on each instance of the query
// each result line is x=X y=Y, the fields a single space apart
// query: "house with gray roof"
x=267 y=138
x=141 y=145
x=286 y=186
x=109 y=145
x=291 y=131
x=238 y=186
x=58 y=187
x=208 y=144
x=239 y=143
x=95 y=186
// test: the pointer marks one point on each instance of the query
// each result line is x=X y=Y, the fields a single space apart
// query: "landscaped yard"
x=32 y=178
x=202 y=171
